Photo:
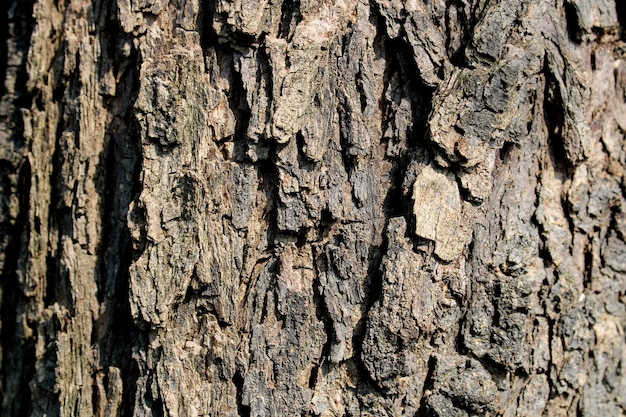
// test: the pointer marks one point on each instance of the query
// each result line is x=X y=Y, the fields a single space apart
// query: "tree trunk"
x=325 y=208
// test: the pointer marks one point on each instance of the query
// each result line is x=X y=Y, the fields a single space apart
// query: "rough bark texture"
x=297 y=207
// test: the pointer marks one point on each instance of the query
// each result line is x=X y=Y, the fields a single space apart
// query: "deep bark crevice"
x=553 y=113
x=242 y=409
x=268 y=172
x=20 y=14
x=238 y=103
x=153 y=399
x=4 y=35
x=18 y=355
x=424 y=410
x=120 y=167
x=60 y=218
x=290 y=17
x=620 y=7
x=571 y=19
x=321 y=310
x=466 y=23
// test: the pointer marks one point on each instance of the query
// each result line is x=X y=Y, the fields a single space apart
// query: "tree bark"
x=325 y=208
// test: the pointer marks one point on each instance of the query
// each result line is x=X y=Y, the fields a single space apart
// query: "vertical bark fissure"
x=18 y=365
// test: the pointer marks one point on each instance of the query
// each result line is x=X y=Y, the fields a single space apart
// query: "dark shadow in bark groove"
x=400 y=62
x=4 y=36
x=574 y=29
x=60 y=222
x=18 y=356
x=20 y=13
x=304 y=162
x=290 y=17
x=374 y=272
x=209 y=38
x=321 y=310
x=153 y=399
x=264 y=77
x=505 y=151
x=348 y=158
x=554 y=109
x=17 y=351
x=268 y=174
x=620 y=7
x=237 y=103
x=204 y=25
x=114 y=332
x=423 y=410
x=374 y=291
x=242 y=409
x=6 y=227
x=466 y=23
